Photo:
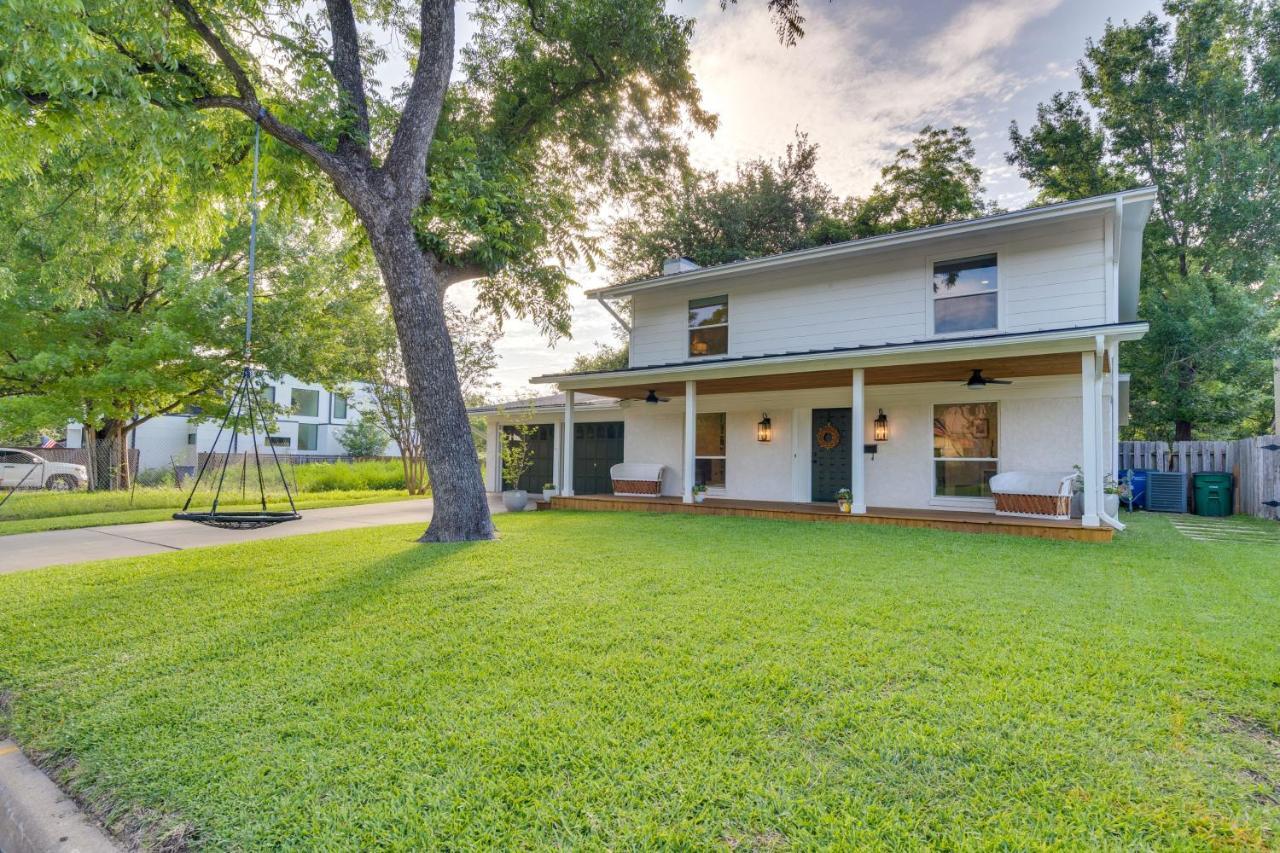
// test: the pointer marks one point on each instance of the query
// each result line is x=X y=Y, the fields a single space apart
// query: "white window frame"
x=713 y=490
x=689 y=330
x=929 y=297
x=951 y=501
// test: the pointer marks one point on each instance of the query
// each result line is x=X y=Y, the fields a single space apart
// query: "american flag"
x=49 y=442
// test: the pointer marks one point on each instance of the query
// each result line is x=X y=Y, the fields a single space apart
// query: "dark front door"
x=832 y=455
x=597 y=447
x=542 y=440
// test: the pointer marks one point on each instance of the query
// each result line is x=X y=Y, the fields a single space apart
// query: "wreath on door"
x=828 y=437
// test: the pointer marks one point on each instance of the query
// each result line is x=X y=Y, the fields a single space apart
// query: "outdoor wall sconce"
x=764 y=429
x=882 y=427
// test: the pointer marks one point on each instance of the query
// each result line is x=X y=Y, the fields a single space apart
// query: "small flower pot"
x=845 y=506
x=515 y=500
x=698 y=497
x=548 y=494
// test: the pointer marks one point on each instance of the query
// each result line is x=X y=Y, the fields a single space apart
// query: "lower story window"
x=307 y=436
x=278 y=440
x=709 y=450
x=965 y=449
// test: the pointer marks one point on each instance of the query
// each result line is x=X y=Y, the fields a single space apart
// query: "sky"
x=862 y=81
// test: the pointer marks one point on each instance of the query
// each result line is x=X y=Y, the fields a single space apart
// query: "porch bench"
x=636 y=478
x=1033 y=494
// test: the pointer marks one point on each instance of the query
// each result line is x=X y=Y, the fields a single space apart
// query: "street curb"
x=37 y=817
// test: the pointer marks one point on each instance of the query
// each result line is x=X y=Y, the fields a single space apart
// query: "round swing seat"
x=237 y=520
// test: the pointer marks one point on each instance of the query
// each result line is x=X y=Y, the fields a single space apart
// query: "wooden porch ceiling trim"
x=1008 y=367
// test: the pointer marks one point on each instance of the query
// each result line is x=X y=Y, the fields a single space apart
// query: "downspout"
x=1099 y=348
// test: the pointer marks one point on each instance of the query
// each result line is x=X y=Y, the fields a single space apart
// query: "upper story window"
x=339 y=407
x=306 y=402
x=965 y=297
x=709 y=326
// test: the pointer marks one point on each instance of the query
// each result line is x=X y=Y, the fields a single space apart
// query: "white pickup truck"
x=20 y=469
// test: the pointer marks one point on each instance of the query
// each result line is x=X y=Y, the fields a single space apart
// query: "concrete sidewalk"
x=56 y=547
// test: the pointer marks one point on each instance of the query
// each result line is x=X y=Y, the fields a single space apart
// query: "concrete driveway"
x=56 y=547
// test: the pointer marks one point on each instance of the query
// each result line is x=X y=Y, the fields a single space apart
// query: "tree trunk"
x=108 y=456
x=1181 y=430
x=461 y=509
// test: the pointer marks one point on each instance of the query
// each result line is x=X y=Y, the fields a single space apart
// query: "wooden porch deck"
x=964 y=522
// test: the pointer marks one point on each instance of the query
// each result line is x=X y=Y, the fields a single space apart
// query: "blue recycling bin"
x=1137 y=480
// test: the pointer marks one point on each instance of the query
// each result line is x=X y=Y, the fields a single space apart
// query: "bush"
x=343 y=476
x=364 y=437
x=151 y=477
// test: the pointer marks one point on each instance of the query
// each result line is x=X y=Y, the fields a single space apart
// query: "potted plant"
x=699 y=492
x=517 y=458
x=844 y=498
x=549 y=491
x=1111 y=494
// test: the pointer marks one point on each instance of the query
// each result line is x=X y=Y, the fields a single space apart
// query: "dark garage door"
x=542 y=440
x=597 y=447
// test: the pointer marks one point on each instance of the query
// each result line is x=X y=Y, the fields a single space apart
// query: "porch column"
x=690 y=437
x=557 y=452
x=859 y=418
x=492 y=455
x=1091 y=440
x=566 y=482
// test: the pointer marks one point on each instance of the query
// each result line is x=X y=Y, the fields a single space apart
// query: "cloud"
x=861 y=82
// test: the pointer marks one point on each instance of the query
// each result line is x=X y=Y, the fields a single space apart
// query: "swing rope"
x=242 y=405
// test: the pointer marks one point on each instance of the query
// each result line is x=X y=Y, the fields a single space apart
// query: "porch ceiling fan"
x=652 y=397
x=977 y=381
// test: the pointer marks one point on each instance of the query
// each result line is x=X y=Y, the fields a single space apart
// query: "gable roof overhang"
x=1130 y=207
x=1017 y=353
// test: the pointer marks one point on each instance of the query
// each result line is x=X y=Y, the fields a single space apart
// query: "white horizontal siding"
x=1051 y=276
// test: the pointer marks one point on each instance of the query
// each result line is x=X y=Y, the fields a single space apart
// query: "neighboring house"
x=312 y=421
x=788 y=377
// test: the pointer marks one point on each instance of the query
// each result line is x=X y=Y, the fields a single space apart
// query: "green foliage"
x=517 y=452
x=932 y=181
x=629 y=681
x=782 y=205
x=603 y=357
x=364 y=437
x=1188 y=105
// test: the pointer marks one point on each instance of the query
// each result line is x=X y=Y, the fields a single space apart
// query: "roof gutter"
x=886 y=354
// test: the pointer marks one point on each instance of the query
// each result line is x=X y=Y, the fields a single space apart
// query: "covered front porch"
x=905 y=428
x=952 y=520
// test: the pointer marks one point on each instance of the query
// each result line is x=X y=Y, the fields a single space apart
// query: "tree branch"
x=346 y=70
x=289 y=135
x=219 y=48
x=406 y=164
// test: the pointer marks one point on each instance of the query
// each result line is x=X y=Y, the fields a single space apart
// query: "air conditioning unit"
x=1166 y=491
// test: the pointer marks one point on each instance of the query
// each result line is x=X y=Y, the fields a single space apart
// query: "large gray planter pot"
x=515 y=500
x=1111 y=505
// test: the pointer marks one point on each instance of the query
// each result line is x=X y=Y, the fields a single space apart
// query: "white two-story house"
x=908 y=368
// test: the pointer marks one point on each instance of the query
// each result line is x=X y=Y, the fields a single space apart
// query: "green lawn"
x=621 y=681
x=313 y=486
x=28 y=513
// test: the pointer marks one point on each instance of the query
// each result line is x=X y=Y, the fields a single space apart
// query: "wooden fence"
x=1255 y=462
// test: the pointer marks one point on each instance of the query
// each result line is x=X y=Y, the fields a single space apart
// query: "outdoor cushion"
x=636 y=478
x=1052 y=483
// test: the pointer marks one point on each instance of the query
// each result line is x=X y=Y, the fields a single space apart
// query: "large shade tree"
x=556 y=103
x=1188 y=103
x=122 y=296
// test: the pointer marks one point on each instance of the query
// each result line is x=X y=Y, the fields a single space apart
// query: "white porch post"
x=690 y=436
x=1112 y=465
x=859 y=485
x=1091 y=438
x=557 y=451
x=492 y=455
x=566 y=483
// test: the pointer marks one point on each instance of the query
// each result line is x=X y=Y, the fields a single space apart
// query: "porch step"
x=963 y=522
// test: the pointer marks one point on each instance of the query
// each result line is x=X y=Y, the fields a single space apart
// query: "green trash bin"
x=1213 y=493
